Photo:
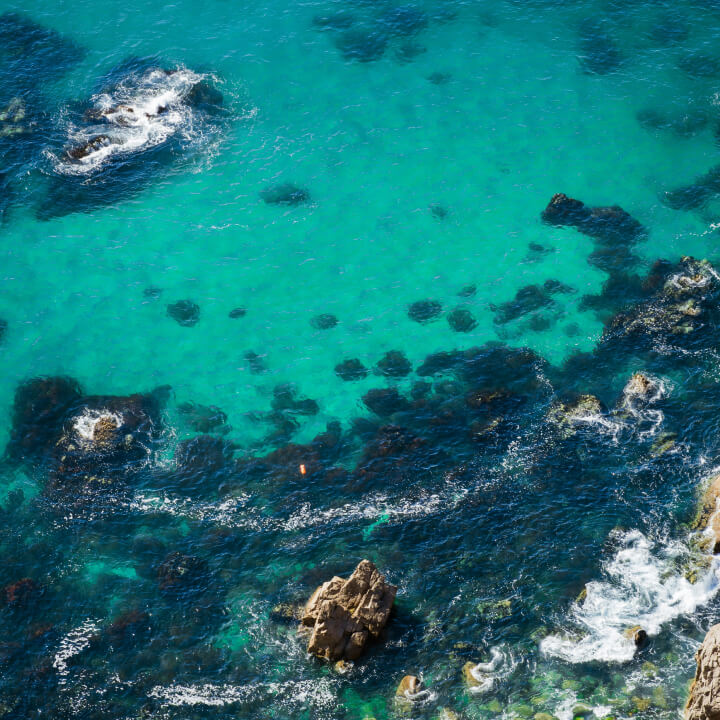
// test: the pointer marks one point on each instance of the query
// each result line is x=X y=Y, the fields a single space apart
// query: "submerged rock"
x=423 y=311
x=351 y=370
x=285 y=194
x=324 y=321
x=3 y=329
x=385 y=401
x=184 y=312
x=403 y=20
x=202 y=418
x=607 y=224
x=438 y=212
x=344 y=615
x=237 y=312
x=699 y=65
x=22 y=593
x=285 y=399
x=704 y=700
x=462 y=320
x=527 y=299
x=394 y=364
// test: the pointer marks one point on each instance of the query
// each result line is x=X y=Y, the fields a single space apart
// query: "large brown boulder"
x=345 y=614
x=704 y=700
x=708 y=518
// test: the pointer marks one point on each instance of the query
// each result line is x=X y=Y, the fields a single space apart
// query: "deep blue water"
x=260 y=238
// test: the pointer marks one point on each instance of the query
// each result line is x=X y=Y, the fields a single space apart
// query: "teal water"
x=485 y=111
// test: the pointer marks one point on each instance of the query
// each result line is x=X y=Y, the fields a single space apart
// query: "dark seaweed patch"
x=285 y=194
x=462 y=320
x=394 y=364
x=423 y=311
x=324 y=321
x=598 y=54
x=351 y=370
x=362 y=44
x=184 y=312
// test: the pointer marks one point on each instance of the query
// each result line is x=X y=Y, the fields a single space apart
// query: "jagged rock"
x=567 y=417
x=409 y=687
x=704 y=700
x=707 y=518
x=345 y=614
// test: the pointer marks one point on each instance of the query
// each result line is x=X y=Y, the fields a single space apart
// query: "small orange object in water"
x=302 y=469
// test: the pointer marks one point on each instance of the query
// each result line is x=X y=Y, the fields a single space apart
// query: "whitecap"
x=641 y=587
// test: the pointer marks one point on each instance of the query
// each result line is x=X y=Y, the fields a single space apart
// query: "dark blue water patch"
x=597 y=51
x=31 y=54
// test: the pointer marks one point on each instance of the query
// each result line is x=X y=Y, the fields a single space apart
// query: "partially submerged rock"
x=637 y=635
x=608 y=224
x=410 y=686
x=346 y=614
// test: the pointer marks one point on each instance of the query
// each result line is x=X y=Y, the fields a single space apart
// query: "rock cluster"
x=704 y=700
x=345 y=614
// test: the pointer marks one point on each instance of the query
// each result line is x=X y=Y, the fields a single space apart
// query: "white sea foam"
x=84 y=424
x=488 y=674
x=140 y=113
x=641 y=586
x=317 y=695
x=72 y=644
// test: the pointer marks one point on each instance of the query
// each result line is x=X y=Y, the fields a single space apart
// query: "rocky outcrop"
x=704 y=700
x=707 y=519
x=345 y=614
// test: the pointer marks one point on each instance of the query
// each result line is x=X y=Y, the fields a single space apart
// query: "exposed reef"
x=345 y=614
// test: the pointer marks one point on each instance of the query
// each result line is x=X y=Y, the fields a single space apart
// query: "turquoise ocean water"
x=426 y=169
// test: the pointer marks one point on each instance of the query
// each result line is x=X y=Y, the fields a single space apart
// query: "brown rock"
x=345 y=614
x=704 y=700
x=408 y=687
x=707 y=517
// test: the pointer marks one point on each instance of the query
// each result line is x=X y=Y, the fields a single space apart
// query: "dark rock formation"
x=607 y=224
x=385 y=401
x=704 y=700
x=202 y=418
x=462 y=320
x=285 y=194
x=362 y=44
x=285 y=400
x=95 y=143
x=39 y=409
x=184 y=312
x=256 y=362
x=237 y=312
x=324 y=321
x=394 y=364
x=438 y=211
x=351 y=370
x=467 y=291
x=345 y=615
x=423 y=311
x=527 y=299
x=696 y=194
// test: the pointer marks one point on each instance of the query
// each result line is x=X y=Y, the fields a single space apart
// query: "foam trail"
x=641 y=587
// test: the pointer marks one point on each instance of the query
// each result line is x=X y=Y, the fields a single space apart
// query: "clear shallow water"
x=490 y=539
